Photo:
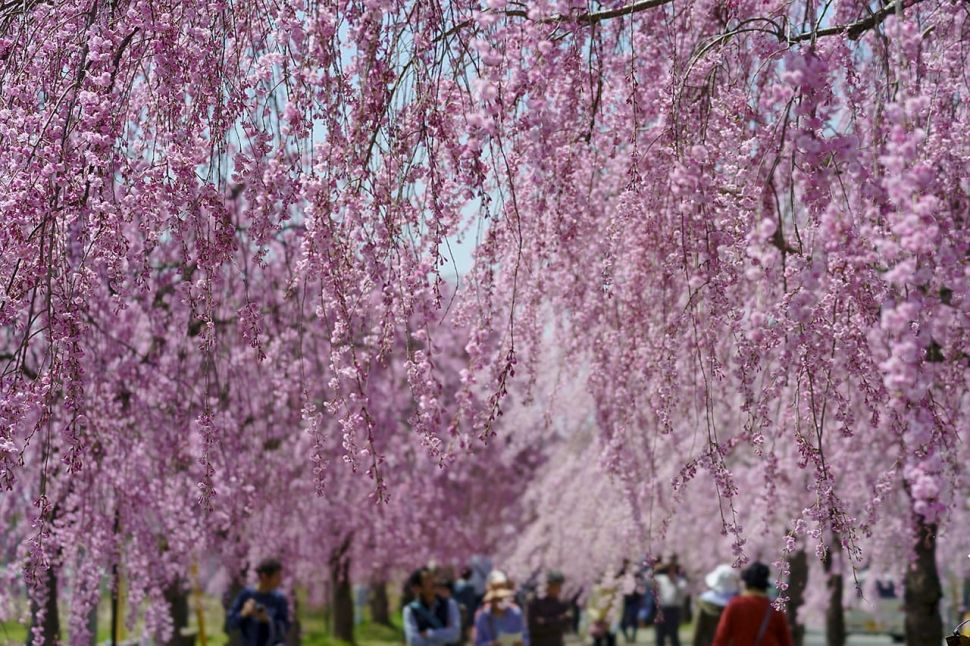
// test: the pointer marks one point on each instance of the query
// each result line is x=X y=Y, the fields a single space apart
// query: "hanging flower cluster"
x=227 y=225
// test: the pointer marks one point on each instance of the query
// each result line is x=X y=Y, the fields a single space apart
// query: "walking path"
x=647 y=636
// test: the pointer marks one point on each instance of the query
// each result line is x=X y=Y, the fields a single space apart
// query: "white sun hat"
x=496 y=579
x=723 y=580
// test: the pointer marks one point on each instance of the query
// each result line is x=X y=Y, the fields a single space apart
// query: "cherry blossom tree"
x=710 y=206
x=211 y=450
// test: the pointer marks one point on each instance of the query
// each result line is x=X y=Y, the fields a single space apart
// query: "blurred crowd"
x=484 y=607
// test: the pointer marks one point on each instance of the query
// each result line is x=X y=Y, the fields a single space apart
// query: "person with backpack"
x=430 y=619
x=260 y=613
x=749 y=618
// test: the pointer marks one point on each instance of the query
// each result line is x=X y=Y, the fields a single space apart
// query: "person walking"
x=549 y=617
x=467 y=602
x=430 y=619
x=260 y=613
x=481 y=567
x=633 y=593
x=723 y=585
x=749 y=618
x=603 y=612
x=361 y=598
x=577 y=610
x=499 y=622
x=671 y=593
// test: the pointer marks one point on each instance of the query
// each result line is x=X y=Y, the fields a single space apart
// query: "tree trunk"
x=343 y=601
x=115 y=599
x=380 y=610
x=177 y=598
x=797 y=582
x=834 y=613
x=51 y=620
x=923 y=591
x=45 y=608
x=116 y=619
x=93 y=625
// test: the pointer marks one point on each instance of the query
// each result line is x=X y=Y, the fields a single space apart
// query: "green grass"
x=313 y=623
x=12 y=632
x=315 y=633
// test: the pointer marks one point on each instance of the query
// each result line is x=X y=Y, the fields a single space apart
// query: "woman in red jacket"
x=749 y=619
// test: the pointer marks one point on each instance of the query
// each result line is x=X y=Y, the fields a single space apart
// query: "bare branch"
x=598 y=16
x=853 y=30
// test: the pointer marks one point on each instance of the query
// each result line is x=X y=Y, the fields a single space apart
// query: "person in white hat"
x=500 y=622
x=723 y=583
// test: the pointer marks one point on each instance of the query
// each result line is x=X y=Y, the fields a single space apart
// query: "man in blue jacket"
x=261 y=613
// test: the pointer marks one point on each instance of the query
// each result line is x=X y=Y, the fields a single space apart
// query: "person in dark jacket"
x=632 y=602
x=549 y=616
x=261 y=613
x=467 y=602
x=430 y=619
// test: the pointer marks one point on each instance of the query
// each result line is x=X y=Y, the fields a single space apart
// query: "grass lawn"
x=12 y=632
x=314 y=626
x=367 y=633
